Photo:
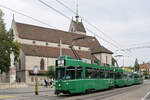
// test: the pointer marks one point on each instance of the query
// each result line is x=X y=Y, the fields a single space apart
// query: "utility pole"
x=60 y=44
x=123 y=60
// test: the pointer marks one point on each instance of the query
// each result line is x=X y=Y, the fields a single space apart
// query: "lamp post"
x=36 y=80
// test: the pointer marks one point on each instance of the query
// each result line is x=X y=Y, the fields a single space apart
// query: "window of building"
x=46 y=43
x=79 y=48
x=19 y=64
x=33 y=42
x=72 y=29
x=42 y=64
x=106 y=60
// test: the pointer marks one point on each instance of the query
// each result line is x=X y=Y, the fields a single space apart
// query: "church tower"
x=77 y=26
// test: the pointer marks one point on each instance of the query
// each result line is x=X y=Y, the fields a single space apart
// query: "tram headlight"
x=67 y=83
x=59 y=85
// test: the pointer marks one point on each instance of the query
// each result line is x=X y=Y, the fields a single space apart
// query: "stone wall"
x=4 y=77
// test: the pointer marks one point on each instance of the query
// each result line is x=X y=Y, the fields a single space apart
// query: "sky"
x=125 y=23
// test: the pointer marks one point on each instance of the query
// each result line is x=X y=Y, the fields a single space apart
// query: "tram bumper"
x=61 y=91
x=64 y=87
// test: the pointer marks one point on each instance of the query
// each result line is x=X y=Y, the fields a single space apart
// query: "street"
x=135 y=92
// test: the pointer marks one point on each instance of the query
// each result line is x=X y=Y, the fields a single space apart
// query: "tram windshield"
x=67 y=73
x=70 y=73
x=60 y=73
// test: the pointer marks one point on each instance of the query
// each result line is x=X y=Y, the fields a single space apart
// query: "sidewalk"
x=13 y=85
x=30 y=91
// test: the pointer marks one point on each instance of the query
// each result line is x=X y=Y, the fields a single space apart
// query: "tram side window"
x=130 y=75
x=88 y=72
x=107 y=74
x=118 y=75
x=98 y=73
x=136 y=76
x=102 y=73
x=70 y=73
x=141 y=76
x=125 y=76
x=79 y=72
x=94 y=73
x=111 y=74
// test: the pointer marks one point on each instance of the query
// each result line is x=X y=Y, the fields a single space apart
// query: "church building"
x=40 y=46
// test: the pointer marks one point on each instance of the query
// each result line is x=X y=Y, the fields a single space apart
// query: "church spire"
x=77 y=15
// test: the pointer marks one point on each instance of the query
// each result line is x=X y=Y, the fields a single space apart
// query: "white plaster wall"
x=50 y=44
x=98 y=56
x=31 y=61
x=102 y=58
x=109 y=57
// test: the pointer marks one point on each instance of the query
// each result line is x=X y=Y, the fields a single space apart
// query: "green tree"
x=136 y=65
x=7 y=46
x=145 y=73
x=113 y=61
x=50 y=72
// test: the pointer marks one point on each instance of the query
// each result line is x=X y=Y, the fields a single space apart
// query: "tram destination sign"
x=60 y=62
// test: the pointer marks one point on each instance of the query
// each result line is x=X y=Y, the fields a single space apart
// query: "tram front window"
x=70 y=73
x=60 y=73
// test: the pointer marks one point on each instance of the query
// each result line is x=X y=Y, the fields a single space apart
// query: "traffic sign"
x=36 y=70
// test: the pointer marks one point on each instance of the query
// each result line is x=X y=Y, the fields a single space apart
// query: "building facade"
x=144 y=68
x=40 y=47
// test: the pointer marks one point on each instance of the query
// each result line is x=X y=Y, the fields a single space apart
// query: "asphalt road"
x=135 y=92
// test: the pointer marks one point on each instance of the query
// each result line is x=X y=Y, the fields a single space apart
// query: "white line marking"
x=146 y=96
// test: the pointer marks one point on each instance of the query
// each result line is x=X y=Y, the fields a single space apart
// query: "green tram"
x=76 y=76
x=138 y=78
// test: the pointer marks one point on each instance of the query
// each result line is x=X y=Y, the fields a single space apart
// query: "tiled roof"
x=32 y=32
x=53 y=52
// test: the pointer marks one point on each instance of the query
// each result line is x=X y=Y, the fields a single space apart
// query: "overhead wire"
x=51 y=25
x=37 y=20
x=87 y=28
x=70 y=19
x=54 y=9
x=61 y=3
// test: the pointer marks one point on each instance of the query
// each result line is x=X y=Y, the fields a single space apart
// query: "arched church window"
x=19 y=64
x=42 y=64
x=71 y=29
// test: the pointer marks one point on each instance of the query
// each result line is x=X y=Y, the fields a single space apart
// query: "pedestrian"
x=46 y=83
x=51 y=83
